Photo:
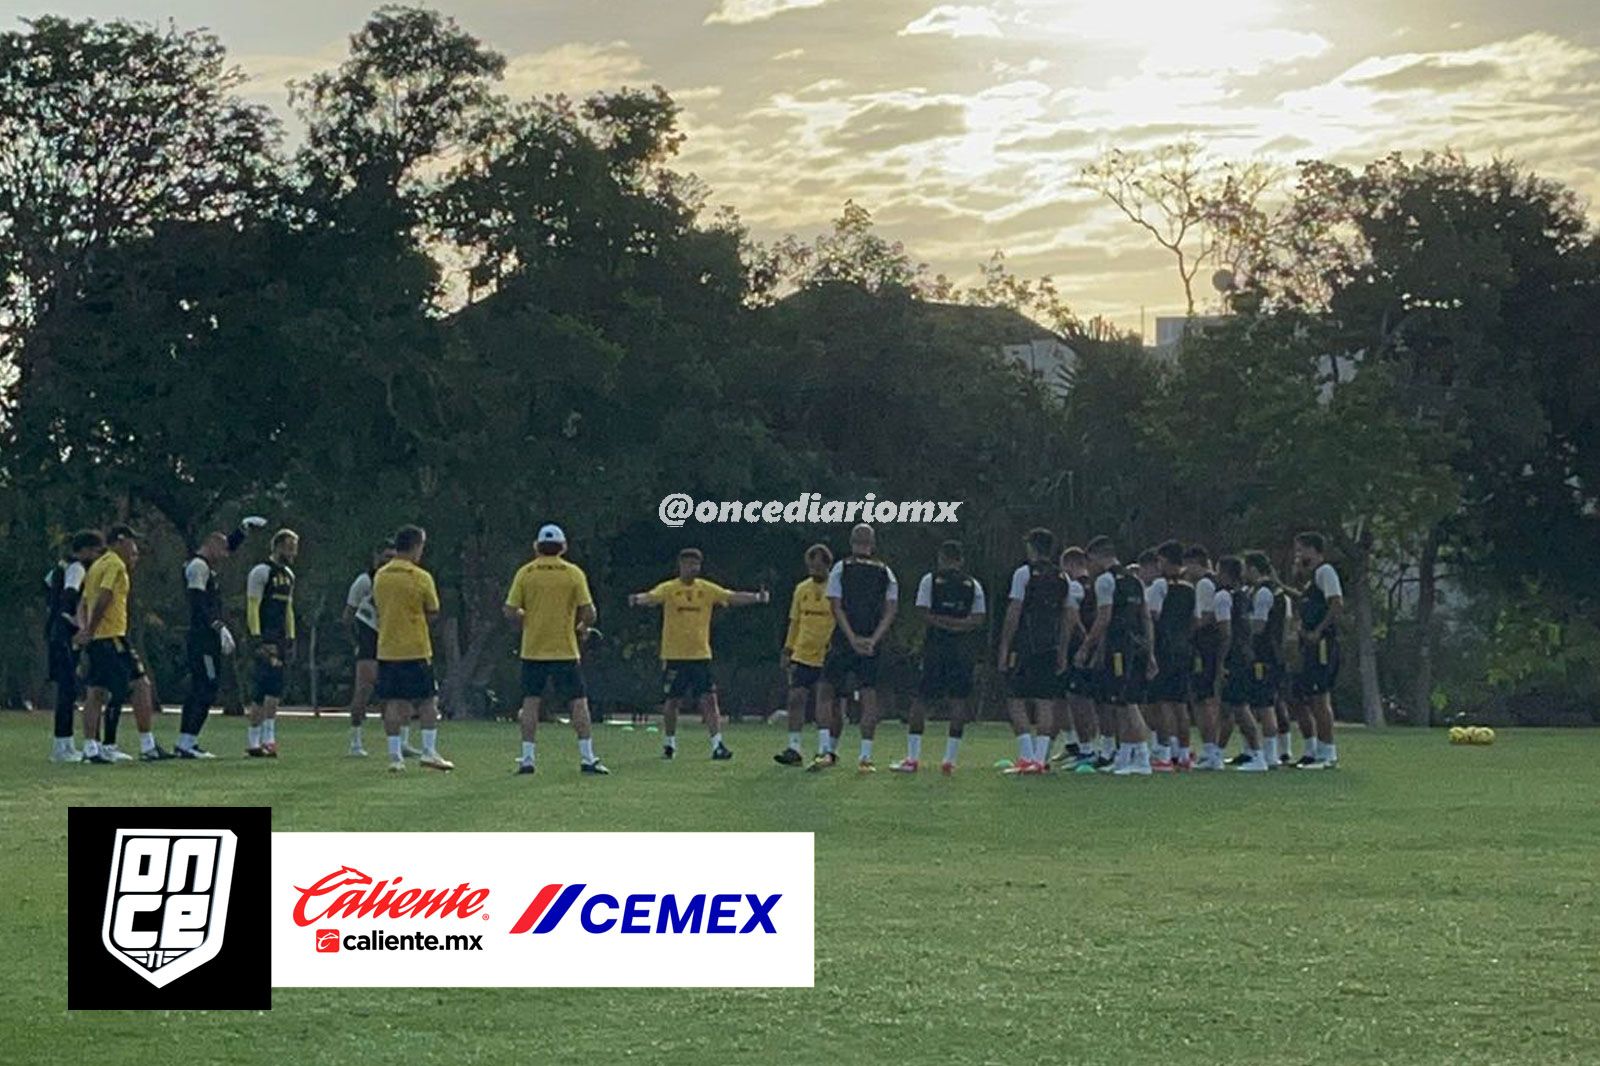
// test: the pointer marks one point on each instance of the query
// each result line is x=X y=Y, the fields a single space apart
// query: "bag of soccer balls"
x=1471 y=734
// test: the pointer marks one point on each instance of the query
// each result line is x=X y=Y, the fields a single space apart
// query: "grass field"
x=1423 y=904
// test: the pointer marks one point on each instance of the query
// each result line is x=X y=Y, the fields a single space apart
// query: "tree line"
x=445 y=306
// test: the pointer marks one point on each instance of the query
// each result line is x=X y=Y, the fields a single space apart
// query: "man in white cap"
x=550 y=600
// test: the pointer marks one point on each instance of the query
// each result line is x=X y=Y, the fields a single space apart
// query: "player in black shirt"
x=63 y=588
x=1029 y=647
x=953 y=607
x=1119 y=647
x=864 y=596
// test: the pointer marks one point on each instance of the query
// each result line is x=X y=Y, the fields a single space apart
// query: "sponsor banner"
x=541 y=910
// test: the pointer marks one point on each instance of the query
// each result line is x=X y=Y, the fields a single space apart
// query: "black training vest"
x=1267 y=645
x=863 y=591
x=1314 y=606
x=1126 y=630
x=1239 y=620
x=205 y=605
x=274 y=611
x=954 y=593
x=1176 y=621
x=1043 y=599
x=60 y=602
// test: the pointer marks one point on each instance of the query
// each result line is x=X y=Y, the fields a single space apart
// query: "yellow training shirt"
x=404 y=594
x=810 y=623
x=549 y=590
x=686 y=616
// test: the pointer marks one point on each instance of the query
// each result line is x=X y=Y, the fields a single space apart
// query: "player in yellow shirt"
x=407 y=601
x=686 y=603
x=550 y=601
x=115 y=671
x=805 y=647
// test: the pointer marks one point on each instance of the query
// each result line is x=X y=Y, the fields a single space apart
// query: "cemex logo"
x=646 y=912
x=165 y=891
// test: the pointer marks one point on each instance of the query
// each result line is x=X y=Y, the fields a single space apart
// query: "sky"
x=964 y=127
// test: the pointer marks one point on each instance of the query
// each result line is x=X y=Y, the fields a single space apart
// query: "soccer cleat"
x=113 y=753
x=905 y=766
x=270 y=749
x=409 y=752
x=99 y=758
x=1133 y=769
x=356 y=753
x=1021 y=766
x=865 y=767
x=597 y=767
x=256 y=753
x=434 y=761
x=1314 y=765
x=1253 y=766
x=67 y=755
x=1286 y=760
x=1183 y=765
x=526 y=768
x=1308 y=759
x=668 y=752
x=1105 y=762
x=722 y=753
x=948 y=769
x=397 y=766
x=822 y=761
x=788 y=757
x=1161 y=766
x=196 y=752
x=156 y=754
x=1084 y=768
x=1239 y=759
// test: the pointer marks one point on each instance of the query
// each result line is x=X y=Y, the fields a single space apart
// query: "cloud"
x=793 y=53
x=267 y=77
x=1432 y=74
x=889 y=125
x=574 y=69
x=739 y=12
x=952 y=20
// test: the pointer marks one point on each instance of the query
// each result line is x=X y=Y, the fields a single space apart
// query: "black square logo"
x=167 y=908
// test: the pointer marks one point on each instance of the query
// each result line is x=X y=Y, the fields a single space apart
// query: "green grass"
x=1424 y=904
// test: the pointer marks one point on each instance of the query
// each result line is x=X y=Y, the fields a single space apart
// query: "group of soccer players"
x=1123 y=662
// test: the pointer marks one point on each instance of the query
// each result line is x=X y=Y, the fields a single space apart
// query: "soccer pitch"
x=1423 y=904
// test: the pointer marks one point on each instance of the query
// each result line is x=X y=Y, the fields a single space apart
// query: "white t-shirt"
x=925 y=595
x=1327 y=579
x=255 y=586
x=197 y=574
x=1261 y=605
x=72 y=580
x=1019 y=581
x=1223 y=605
x=1155 y=595
x=1205 y=596
x=360 y=597
x=836 y=584
x=1105 y=589
x=1074 y=593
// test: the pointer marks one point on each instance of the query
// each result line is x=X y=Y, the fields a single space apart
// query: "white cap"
x=551 y=534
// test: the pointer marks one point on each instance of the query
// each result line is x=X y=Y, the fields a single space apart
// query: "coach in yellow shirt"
x=686 y=603
x=115 y=671
x=806 y=645
x=550 y=601
x=407 y=602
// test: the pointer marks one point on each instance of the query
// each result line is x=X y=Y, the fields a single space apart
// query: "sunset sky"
x=964 y=127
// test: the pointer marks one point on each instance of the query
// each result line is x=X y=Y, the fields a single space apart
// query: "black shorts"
x=1171 y=684
x=1319 y=668
x=1203 y=672
x=271 y=674
x=1236 y=685
x=1079 y=681
x=1034 y=677
x=406 y=680
x=366 y=642
x=204 y=656
x=63 y=663
x=686 y=679
x=114 y=666
x=844 y=662
x=945 y=676
x=1120 y=680
x=564 y=677
x=804 y=675
x=1262 y=683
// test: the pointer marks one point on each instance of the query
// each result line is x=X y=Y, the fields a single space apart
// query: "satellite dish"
x=1223 y=280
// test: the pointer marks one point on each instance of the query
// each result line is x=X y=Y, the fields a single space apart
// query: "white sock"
x=1330 y=752
x=866 y=750
x=1185 y=754
x=1253 y=754
x=794 y=740
x=253 y=736
x=1286 y=744
x=186 y=741
x=586 y=749
x=269 y=731
x=527 y=751
x=147 y=742
x=1122 y=756
x=950 y=746
x=394 y=747
x=1072 y=736
x=716 y=741
x=824 y=741
x=405 y=736
x=671 y=742
x=1041 y=747
x=355 y=736
x=1269 y=745
x=914 y=747
x=1174 y=749
x=1142 y=753
x=1024 y=747
x=1107 y=746
x=430 y=741
x=91 y=746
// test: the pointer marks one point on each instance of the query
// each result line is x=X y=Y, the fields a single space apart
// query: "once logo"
x=358 y=901
x=646 y=912
x=327 y=940
x=167 y=901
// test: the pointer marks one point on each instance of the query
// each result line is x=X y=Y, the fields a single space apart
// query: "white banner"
x=542 y=910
